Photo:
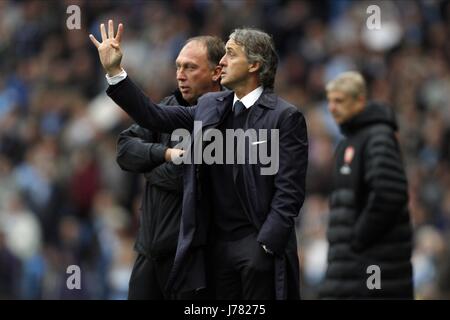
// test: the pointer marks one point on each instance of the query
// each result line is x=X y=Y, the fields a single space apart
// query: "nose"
x=331 y=107
x=222 y=61
x=180 y=74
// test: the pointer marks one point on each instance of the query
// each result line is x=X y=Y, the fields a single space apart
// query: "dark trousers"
x=241 y=269
x=149 y=277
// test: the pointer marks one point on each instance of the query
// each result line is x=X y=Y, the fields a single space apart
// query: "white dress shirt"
x=250 y=98
x=117 y=78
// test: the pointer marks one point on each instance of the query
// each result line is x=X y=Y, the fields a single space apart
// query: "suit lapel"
x=266 y=101
x=211 y=119
x=254 y=115
x=221 y=107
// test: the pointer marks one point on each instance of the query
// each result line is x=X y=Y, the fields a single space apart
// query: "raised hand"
x=109 y=49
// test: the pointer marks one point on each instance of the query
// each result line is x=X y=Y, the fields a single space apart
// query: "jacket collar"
x=266 y=100
x=179 y=97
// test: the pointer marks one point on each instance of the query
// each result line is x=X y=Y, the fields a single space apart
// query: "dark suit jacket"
x=272 y=201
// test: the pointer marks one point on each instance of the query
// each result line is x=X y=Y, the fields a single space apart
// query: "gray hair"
x=258 y=47
x=350 y=82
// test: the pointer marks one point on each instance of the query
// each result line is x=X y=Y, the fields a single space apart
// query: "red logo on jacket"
x=349 y=154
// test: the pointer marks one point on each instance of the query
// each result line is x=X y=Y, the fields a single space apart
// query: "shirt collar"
x=250 y=98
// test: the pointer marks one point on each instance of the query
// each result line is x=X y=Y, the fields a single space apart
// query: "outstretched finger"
x=94 y=41
x=119 y=33
x=103 y=32
x=110 y=29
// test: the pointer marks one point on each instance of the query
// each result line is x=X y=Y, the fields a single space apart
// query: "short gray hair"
x=258 y=47
x=350 y=82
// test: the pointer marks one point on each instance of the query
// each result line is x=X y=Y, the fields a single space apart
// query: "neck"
x=245 y=88
x=216 y=87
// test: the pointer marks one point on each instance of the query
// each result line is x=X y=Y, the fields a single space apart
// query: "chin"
x=187 y=97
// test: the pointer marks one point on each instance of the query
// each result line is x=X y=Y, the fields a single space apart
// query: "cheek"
x=200 y=81
x=342 y=107
x=242 y=68
x=346 y=108
x=232 y=66
x=194 y=77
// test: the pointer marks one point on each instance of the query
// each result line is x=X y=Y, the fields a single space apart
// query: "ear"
x=361 y=101
x=216 y=73
x=253 y=67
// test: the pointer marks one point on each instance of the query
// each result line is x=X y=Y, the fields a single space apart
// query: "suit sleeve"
x=148 y=114
x=137 y=151
x=289 y=183
x=387 y=189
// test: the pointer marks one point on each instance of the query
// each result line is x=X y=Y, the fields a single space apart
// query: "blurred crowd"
x=64 y=200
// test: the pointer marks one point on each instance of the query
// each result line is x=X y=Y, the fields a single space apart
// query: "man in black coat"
x=369 y=233
x=242 y=212
x=142 y=151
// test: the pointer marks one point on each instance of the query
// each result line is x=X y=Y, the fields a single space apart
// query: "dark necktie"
x=238 y=107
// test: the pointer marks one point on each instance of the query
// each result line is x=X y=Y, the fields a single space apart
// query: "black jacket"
x=273 y=201
x=142 y=151
x=369 y=219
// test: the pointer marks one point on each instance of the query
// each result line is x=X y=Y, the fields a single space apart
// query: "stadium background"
x=64 y=200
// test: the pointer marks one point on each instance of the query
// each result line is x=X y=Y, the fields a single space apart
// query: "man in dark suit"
x=244 y=217
x=142 y=151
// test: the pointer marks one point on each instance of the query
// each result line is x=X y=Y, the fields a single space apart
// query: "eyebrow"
x=189 y=63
